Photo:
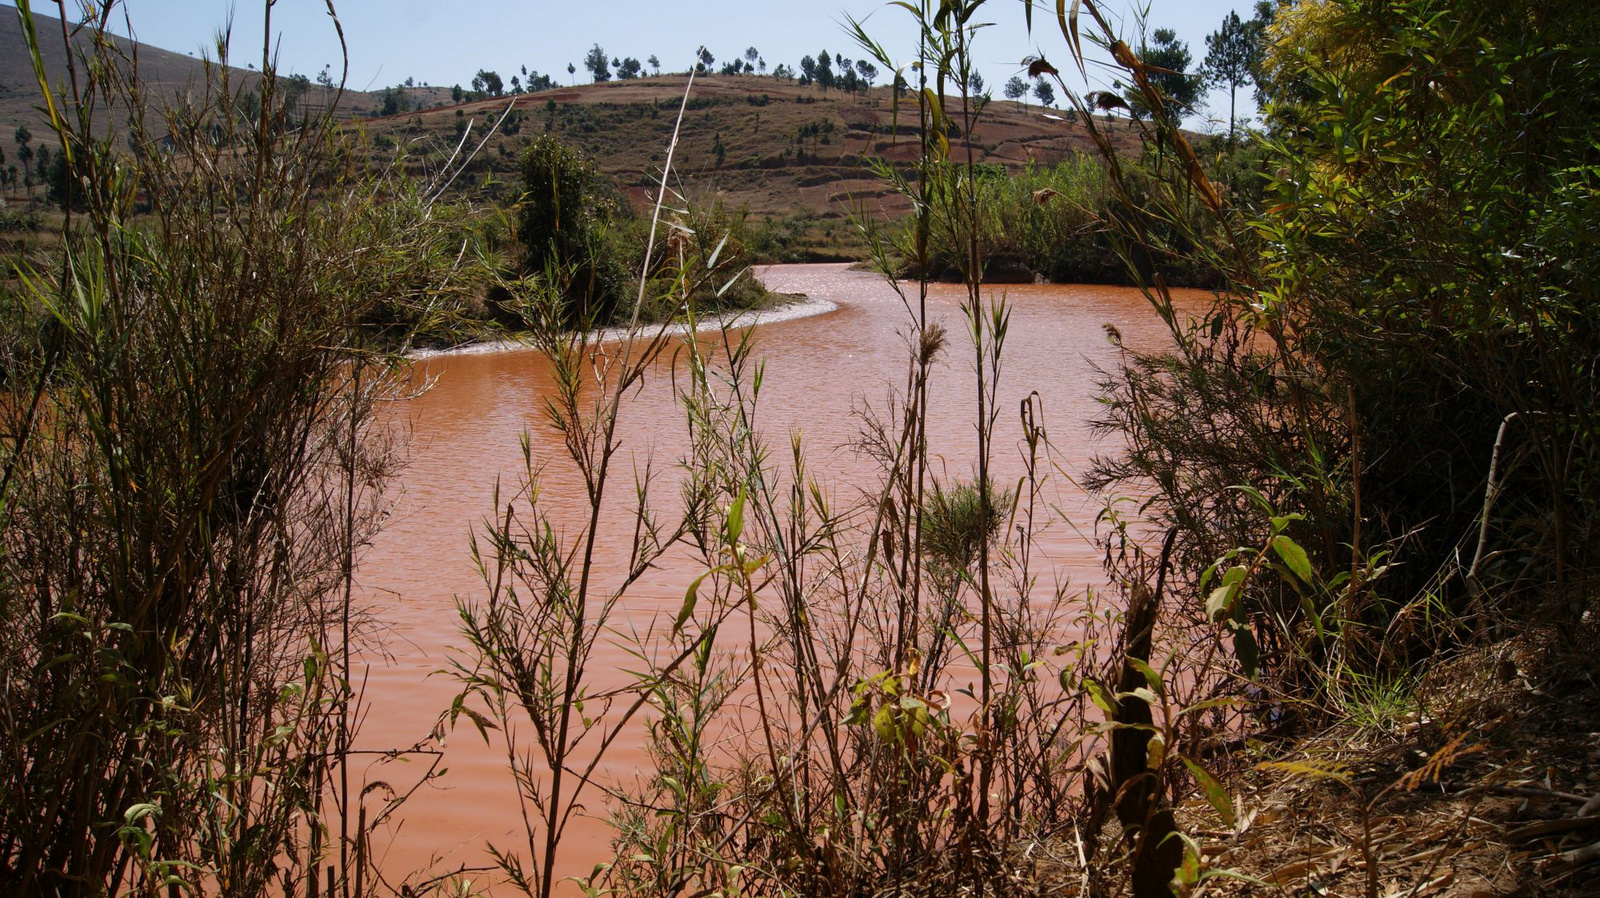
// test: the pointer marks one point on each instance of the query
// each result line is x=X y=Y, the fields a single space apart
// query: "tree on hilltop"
x=824 y=74
x=487 y=82
x=1045 y=93
x=1017 y=89
x=598 y=64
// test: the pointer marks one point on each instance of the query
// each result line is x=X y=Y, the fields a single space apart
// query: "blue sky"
x=446 y=42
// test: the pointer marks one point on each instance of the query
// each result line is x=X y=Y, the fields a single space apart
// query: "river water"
x=466 y=433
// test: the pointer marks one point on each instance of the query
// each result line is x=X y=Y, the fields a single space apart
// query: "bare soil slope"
x=168 y=77
x=760 y=143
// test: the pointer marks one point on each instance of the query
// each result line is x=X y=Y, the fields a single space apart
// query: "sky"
x=445 y=43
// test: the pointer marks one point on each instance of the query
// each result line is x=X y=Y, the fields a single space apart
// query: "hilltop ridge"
x=760 y=143
x=167 y=75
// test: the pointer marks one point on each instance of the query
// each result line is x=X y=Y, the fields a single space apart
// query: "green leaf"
x=1155 y=751
x=735 y=524
x=883 y=723
x=1142 y=694
x=140 y=811
x=690 y=597
x=1220 y=601
x=1099 y=695
x=1150 y=675
x=711 y=263
x=1293 y=556
x=1244 y=646
x=1215 y=794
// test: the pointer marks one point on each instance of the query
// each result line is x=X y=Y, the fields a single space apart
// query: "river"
x=465 y=434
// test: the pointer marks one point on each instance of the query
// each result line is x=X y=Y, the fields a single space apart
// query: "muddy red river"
x=466 y=432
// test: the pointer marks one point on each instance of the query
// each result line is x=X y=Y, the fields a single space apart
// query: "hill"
x=166 y=74
x=760 y=143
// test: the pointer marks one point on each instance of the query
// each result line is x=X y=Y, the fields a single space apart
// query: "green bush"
x=1412 y=299
x=568 y=222
x=1053 y=222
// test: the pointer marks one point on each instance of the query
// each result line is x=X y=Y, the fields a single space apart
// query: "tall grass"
x=191 y=467
x=806 y=706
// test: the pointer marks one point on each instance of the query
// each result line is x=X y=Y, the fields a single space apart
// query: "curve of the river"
x=466 y=432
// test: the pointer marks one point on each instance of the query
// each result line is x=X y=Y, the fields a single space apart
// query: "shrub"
x=1409 y=306
x=569 y=222
x=189 y=472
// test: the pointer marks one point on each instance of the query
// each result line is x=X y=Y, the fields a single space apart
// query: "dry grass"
x=1473 y=784
x=624 y=126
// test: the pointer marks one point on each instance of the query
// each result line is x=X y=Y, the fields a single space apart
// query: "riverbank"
x=786 y=307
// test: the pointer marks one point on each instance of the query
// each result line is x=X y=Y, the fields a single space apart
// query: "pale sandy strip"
x=803 y=308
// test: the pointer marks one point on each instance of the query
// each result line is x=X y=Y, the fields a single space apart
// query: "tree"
x=516 y=84
x=25 y=157
x=867 y=71
x=1169 y=60
x=628 y=69
x=567 y=205
x=488 y=82
x=655 y=64
x=825 y=70
x=457 y=94
x=705 y=60
x=395 y=101
x=57 y=186
x=751 y=54
x=808 y=70
x=1230 y=57
x=598 y=64
x=1045 y=93
x=571 y=70
x=1261 y=35
x=975 y=84
x=1017 y=89
x=761 y=66
x=782 y=70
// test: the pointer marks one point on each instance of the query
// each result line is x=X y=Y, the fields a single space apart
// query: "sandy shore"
x=797 y=306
